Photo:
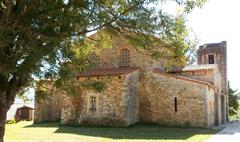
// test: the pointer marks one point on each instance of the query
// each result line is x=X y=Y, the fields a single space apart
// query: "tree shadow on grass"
x=139 y=131
x=136 y=132
x=44 y=124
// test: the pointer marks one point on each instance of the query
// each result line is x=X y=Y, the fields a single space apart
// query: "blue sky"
x=216 y=21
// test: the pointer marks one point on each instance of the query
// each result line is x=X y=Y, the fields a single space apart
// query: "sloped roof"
x=12 y=111
x=108 y=71
x=195 y=68
x=183 y=78
x=25 y=106
x=213 y=45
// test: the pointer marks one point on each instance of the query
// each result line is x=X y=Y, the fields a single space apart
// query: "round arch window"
x=124 y=58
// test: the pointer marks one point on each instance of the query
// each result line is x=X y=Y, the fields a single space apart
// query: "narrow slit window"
x=175 y=104
x=211 y=59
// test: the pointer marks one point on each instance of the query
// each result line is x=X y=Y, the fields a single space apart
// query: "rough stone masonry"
x=139 y=90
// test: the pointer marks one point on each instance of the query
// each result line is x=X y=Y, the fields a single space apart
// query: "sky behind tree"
x=216 y=21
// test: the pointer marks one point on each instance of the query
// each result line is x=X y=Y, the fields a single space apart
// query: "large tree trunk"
x=3 y=114
x=8 y=92
x=6 y=100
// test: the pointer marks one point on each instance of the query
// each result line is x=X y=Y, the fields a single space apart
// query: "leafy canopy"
x=234 y=98
x=38 y=37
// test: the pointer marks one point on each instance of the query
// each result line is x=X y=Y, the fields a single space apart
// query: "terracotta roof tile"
x=195 y=68
x=108 y=71
x=183 y=78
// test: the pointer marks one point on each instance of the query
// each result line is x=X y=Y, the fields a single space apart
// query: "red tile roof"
x=108 y=71
x=195 y=68
x=183 y=78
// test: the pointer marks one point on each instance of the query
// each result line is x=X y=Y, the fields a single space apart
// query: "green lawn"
x=52 y=132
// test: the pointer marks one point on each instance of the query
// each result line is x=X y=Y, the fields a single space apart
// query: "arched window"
x=124 y=58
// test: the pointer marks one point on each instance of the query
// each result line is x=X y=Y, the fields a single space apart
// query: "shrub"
x=13 y=121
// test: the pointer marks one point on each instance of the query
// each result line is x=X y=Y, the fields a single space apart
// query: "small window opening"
x=211 y=59
x=93 y=103
x=175 y=103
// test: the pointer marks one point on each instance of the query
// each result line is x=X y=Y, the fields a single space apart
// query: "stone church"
x=140 y=91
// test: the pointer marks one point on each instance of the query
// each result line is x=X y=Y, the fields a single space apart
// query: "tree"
x=234 y=98
x=38 y=37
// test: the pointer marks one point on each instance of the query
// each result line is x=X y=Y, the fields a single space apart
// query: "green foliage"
x=234 y=98
x=41 y=95
x=98 y=86
x=13 y=121
x=43 y=89
x=23 y=94
x=190 y=4
x=192 y=51
x=44 y=39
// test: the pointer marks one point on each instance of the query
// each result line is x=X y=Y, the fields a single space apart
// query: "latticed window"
x=94 y=60
x=93 y=103
x=124 y=58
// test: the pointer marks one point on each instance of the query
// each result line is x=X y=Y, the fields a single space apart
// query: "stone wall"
x=138 y=57
x=224 y=108
x=131 y=99
x=203 y=75
x=211 y=76
x=142 y=96
x=157 y=101
x=68 y=113
x=48 y=109
x=219 y=50
x=217 y=109
x=116 y=106
x=210 y=107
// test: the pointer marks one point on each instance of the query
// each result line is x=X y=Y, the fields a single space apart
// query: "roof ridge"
x=195 y=68
x=183 y=77
x=216 y=44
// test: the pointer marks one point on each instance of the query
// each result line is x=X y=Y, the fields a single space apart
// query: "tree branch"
x=106 y=24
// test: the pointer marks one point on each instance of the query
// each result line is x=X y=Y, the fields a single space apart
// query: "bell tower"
x=216 y=53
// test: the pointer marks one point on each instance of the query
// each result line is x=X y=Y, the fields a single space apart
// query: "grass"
x=52 y=132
